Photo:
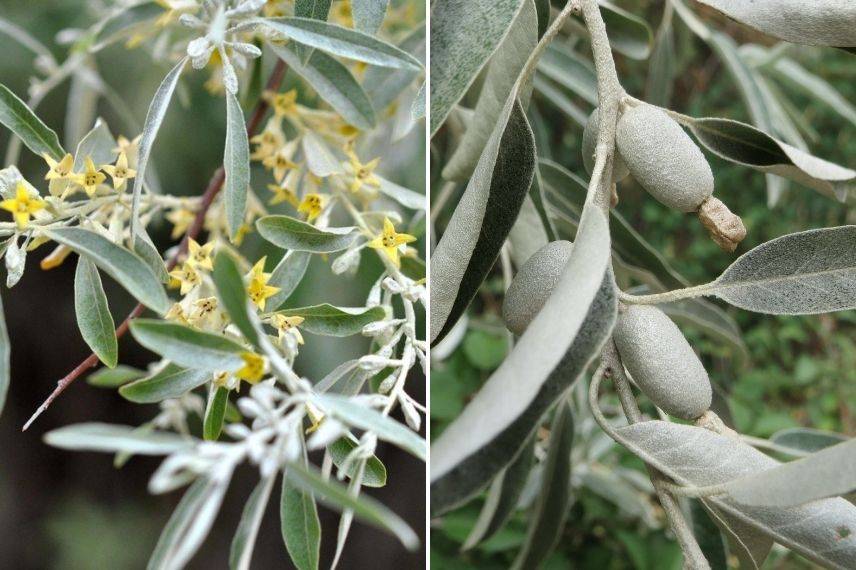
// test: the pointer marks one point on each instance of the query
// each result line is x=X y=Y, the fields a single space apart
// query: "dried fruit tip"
x=725 y=227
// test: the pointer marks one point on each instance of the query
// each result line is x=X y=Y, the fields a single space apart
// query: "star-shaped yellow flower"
x=391 y=242
x=363 y=173
x=312 y=205
x=254 y=368
x=23 y=205
x=284 y=104
x=280 y=162
x=91 y=178
x=120 y=173
x=176 y=313
x=199 y=256
x=282 y=193
x=268 y=141
x=187 y=276
x=288 y=325
x=59 y=170
x=181 y=219
x=258 y=289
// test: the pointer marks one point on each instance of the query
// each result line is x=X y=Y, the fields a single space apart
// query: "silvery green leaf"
x=15 y=260
x=803 y=441
x=629 y=34
x=662 y=64
x=744 y=541
x=319 y=158
x=27 y=40
x=340 y=41
x=797 y=274
x=81 y=104
x=502 y=73
x=464 y=35
x=5 y=357
x=316 y=9
x=189 y=524
x=121 y=21
x=171 y=382
x=114 y=377
x=567 y=68
x=482 y=219
x=417 y=107
x=97 y=144
x=113 y=438
x=707 y=534
x=244 y=541
x=502 y=497
x=827 y=473
x=154 y=118
x=18 y=118
x=290 y=233
x=126 y=268
x=301 y=529
x=698 y=457
x=382 y=84
x=404 y=196
x=744 y=76
x=527 y=235
x=215 y=413
x=327 y=320
x=712 y=321
x=814 y=86
x=386 y=428
x=374 y=474
x=559 y=99
x=744 y=144
x=287 y=275
x=783 y=125
x=334 y=83
x=367 y=509
x=822 y=22
x=93 y=315
x=233 y=297
x=236 y=163
x=188 y=347
x=368 y=14
x=147 y=251
x=554 y=351
x=554 y=501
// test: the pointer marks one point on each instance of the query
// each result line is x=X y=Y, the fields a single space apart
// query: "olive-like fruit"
x=619 y=169
x=663 y=158
x=661 y=362
x=534 y=284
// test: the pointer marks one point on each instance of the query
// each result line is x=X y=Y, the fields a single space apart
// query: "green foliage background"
x=802 y=370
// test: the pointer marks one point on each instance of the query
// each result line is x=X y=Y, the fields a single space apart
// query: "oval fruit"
x=662 y=362
x=663 y=158
x=534 y=284
x=619 y=169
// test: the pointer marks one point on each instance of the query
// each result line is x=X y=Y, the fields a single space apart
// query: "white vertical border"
x=428 y=231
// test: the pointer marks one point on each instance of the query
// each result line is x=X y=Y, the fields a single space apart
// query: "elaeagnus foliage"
x=575 y=321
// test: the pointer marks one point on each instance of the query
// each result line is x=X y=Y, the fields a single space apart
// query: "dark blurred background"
x=71 y=511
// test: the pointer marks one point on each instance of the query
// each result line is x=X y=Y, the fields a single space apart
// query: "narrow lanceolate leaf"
x=564 y=66
x=553 y=503
x=233 y=296
x=97 y=144
x=819 y=530
x=364 y=508
x=798 y=274
x=291 y=233
x=287 y=275
x=154 y=118
x=746 y=145
x=334 y=83
x=628 y=34
x=340 y=41
x=661 y=66
x=464 y=35
x=502 y=73
x=554 y=351
x=189 y=524
x=114 y=377
x=319 y=158
x=328 y=320
x=315 y=9
x=804 y=441
x=171 y=382
x=126 y=268
x=828 y=473
x=147 y=251
x=820 y=23
x=241 y=552
x=368 y=14
x=215 y=413
x=750 y=545
x=386 y=428
x=482 y=219
x=301 y=529
x=5 y=357
x=236 y=163
x=708 y=535
x=374 y=474
x=115 y=438
x=18 y=118
x=93 y=315
x=404 y=196
x=383 y=85
x=815 y=86
x=502 y=497
x=188 y=347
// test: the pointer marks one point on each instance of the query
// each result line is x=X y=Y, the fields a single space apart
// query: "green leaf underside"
x=368 y=14
x=236 y=163
x=114 y=377
x=93 y=315
x=290 y=233
x=375 y=471
x=805 y=440
x=301 y=529
x=215 y=414
x=328 y=320
x=97 y=144
x=18 y=118
x=233 y=295
x=482 y=220
x=171 y=382
x=287 y=275
x=188 y=347
x=241 y=551
x=115 y=438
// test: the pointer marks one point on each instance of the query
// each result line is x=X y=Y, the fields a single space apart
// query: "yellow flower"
x=242 y=232
x=316 y=416
x=363 y=173
x=280 y=162
x=312 y=205
x=181 y=220
x=284 y=104
x=131 y=148
x=268 y=141
x=199 y=256
x=59 y=170
x=204 y=313
x=391 y=242
x=120 y=173
x=254 y=368
x=282 y=193
x=187 y=276
x=23 y=205
x=176 y=313
x=91 y=178
x=285 y=325
x=258 y=289
x=55 y=258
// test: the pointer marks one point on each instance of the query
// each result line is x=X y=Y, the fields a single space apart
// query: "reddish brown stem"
x=214 y=187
